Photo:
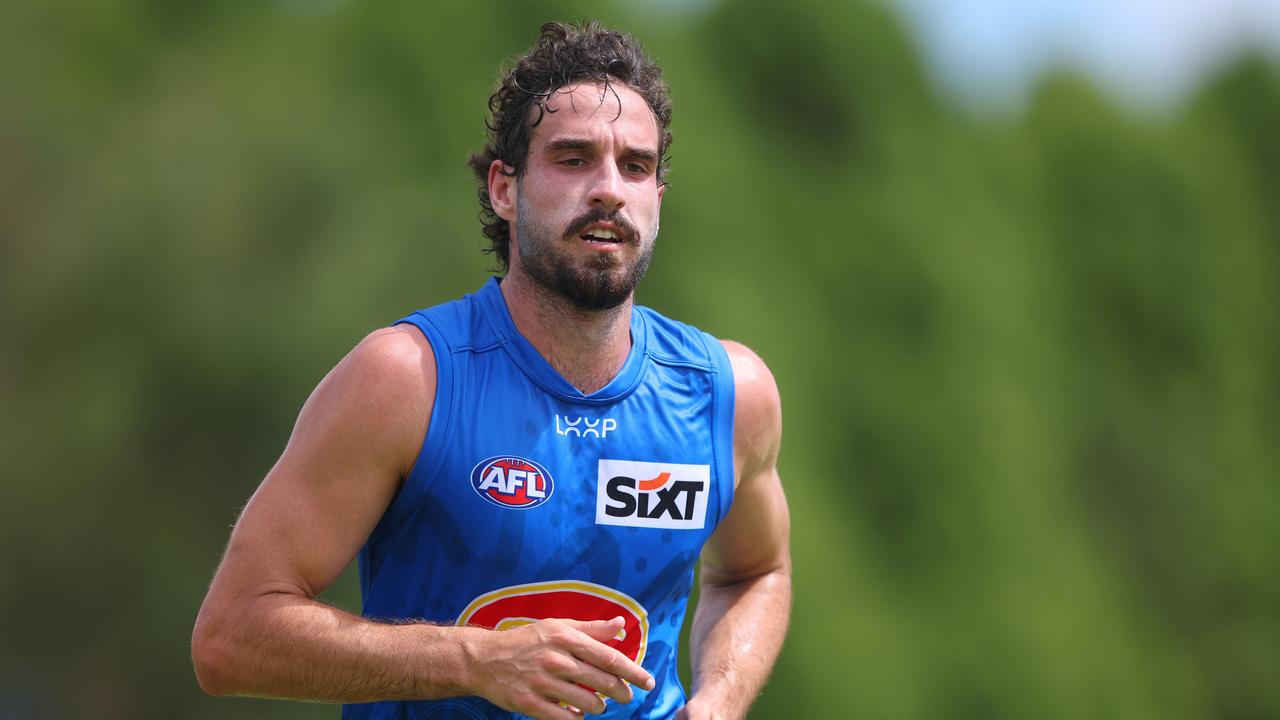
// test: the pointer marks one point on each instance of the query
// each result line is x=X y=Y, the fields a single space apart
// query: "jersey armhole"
x=722 y=424
x=418 y=482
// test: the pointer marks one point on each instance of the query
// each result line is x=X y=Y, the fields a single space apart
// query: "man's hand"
x=534 y=668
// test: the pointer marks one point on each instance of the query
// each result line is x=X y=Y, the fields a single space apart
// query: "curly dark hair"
x=563 y=55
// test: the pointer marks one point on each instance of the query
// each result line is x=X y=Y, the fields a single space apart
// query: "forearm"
x=289 y=646
x=737 y=633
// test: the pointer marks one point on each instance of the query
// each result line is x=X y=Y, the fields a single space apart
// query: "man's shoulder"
x=758 y=404
x=749 y=369
x=459 y=322
x=380 y=394
x=391 y=348
x=393 y=359
x=675 y=341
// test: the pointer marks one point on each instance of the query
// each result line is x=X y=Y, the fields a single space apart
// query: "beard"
x=601 y=281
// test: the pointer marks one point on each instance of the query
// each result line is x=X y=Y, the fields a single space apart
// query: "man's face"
x=586 y=207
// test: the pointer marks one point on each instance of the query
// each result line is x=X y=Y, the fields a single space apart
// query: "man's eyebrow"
x=573 y=143
x=642 y=154
x=569 y=143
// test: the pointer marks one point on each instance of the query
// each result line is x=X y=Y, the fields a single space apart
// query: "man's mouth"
x=599 y=233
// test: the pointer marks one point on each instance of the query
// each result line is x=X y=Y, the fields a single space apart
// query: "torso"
x=532 y=500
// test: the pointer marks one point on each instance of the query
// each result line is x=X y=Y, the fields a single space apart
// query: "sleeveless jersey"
x=530 y=500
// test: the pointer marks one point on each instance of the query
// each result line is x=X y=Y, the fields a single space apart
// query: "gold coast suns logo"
x=518 y=605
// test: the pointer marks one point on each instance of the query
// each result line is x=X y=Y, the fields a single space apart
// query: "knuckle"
x=561 y=664
x=555 y=633
x=524 y=700
x=618 y=688
x=547 y=658
x=545 y=629
x=534 y=683
x=615 y=662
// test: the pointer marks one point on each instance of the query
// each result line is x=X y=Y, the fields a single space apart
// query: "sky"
x=1147 y=53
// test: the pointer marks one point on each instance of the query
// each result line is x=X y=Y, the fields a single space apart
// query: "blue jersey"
x=530 y=500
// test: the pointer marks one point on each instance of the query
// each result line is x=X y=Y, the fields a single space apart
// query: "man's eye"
x=573 y=162
x=636 y=168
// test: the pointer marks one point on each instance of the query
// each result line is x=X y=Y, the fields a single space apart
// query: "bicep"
x=754 y=537
x=354 y=439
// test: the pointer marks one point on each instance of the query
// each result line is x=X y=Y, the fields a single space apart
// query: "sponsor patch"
x=649 y=494
x=512 y=482
x=577 y=426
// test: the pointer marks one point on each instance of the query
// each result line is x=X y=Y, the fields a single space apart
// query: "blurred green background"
x=1028 y=360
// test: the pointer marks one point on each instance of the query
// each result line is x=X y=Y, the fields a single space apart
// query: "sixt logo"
x=512 y=482
x=649 y=494
x=584 y=426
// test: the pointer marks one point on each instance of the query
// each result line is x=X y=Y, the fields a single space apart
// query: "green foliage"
x=1027 y=367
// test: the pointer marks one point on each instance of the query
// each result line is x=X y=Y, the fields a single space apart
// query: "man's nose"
x=606 y=190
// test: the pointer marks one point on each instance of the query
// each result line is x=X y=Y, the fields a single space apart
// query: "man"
x=528 y=474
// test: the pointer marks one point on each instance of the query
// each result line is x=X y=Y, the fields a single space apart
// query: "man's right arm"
x=260 y=630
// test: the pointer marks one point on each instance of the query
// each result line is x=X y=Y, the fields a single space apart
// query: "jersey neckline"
x=534 y=365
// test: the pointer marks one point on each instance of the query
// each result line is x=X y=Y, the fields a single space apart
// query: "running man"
x=529 y=474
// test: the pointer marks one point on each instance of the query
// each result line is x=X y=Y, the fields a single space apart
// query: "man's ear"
x=503 y=190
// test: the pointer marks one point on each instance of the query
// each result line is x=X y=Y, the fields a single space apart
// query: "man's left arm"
x=745 y=579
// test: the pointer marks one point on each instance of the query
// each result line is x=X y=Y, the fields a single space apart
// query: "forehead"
x=594 y=111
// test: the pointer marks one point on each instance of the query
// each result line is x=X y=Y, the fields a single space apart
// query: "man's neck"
x=587 y=347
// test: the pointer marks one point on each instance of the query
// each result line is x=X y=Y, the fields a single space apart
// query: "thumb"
x=602 y=630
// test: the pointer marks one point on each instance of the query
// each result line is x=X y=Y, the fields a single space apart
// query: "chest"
x=538 y=484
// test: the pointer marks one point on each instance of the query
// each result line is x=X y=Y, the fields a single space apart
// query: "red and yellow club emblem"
x=518 y=605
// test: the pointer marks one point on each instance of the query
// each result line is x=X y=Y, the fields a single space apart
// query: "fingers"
x=594 y=651
x=542 y=702
x=605 y=657
x=601 y=630
x=578 y=697
x=604 y=683
x=553 y=668
x=544 y=709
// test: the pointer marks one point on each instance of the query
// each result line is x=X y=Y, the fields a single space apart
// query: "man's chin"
x=596 y=299
x=596 y=283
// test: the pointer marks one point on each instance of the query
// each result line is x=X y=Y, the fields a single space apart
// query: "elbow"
x=213 y=657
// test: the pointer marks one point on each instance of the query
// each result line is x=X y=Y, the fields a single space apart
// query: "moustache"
x=626 y=231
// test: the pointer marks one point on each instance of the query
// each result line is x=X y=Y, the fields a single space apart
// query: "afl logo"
x=512 y=482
